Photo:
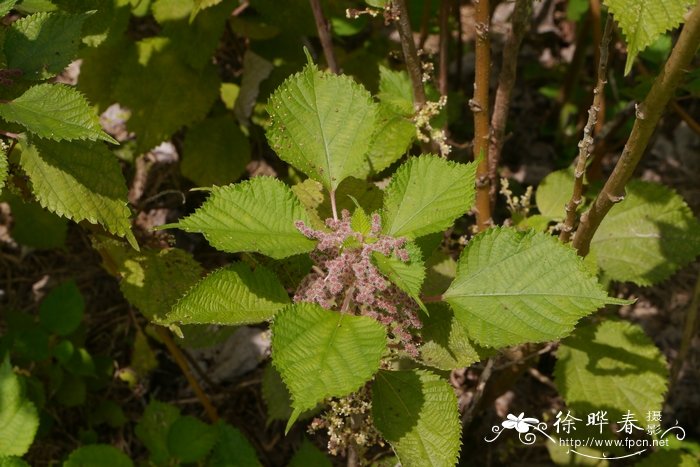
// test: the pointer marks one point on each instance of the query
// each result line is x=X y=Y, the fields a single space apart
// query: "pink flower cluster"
x=344 y=277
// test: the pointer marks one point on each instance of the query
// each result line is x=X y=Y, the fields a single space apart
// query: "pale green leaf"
x=151 y=85
x=56 y=112
x=232 y=295
x=611 y=366
x=407 y=276
x=171 y=10
x=554 y=192
x=256 y=69
x=190 y=439
x=416 y=412
x=43 y=44
x=322 y=124
x=396 y=91
x=153 y=427
x=98 y=455
x=426 y=195
x=232 y=449
x=648 y=236
x=255 y=215
x=19 y=419
x=215 y=152
x=445 y=345
x=514 y=287
x=643 y=21
x=321 y=353
x=6 y=6
x=79 y=180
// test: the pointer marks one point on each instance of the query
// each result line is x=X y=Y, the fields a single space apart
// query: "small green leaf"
x=62 y=310
x=554 y=192
x=426 y=195
x=19 y=419
x=98 y=455
x=514 y=287
x=321 y=353
x=416 y=411
x=153 y=429
x=232 y=295
x=232 y=449
x=256 y=215
x=648 y=236
x=78 y=180
x=190 y=439
x=445 y=345
x=309 y=455
x=611 y=366
x=215 y=152
x=322 y=124
x=407 y=276
x=643 y=21
x=43 y=44
x=56 y=112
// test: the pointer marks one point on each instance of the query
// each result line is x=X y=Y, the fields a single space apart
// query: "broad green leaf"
x=648 y=236
x=62 y=310
x=514 y=287
x=643 y=21
x=407 y=276
x=309 y=455
x=394 y=135
x=190 y=440
x=322 y=124
x=277 y=398
x=416 y=412
x=611 y=366
x=426 y=195
x=43 y=44
x=215 y=152
x=445 y=345
x=151 y=84
x=396 y=91
x=153 y=429
x=56 y=112
x=232 y=449
x=98 y=455
x=34 y=226
x=79 y=180
x=321 y=353
x=232 y=295
x=12 y=461
x=19 y=419
x=554 y=192
x=255 y=215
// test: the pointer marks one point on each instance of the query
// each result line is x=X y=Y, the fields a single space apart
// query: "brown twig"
x=598 y=39
x=585 y=146
x=686 y=117
x=324 y=34
x=688 y=332
x=459 y=52
x=479 y=105
x=468 y=415
x=410 y=54
x=506 y=80
x=648 y=114
x=444 y=46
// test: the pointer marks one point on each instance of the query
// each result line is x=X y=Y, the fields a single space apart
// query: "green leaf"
x=151 y=84
x=554 y=192
x=6 y=6
x=416 y=411
x=426 y=195
x=153 y=429
x=143 y=358
x=12 y=461
x=309 y=455
x=514 y=287
x=441 y=271
x=190 y=439
x=648 y=236
x=215 y=152
x=78 y=180
x=396 y=91
x=200 y=5
x=34 y=226
x=232 y=295
x=394 y=135
x=56 y=112
x=611 y=366
x=407 y=276
x=255 y=215
x=322 y=124
x=62 y=310
x=445 y=345
x=43 y=44
x=19 y=419
x=643 y=21
x=98 y=455
x=232 y=449
x=321 y=353
x=277 y=398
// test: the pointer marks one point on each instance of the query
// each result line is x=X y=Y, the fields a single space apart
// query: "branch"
x=324 y=34
x=648 y=115
x=444 y=45
x=585 y=146
x=688 y=333
x=410 y=53
x=506 y=80
x=479 y=105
